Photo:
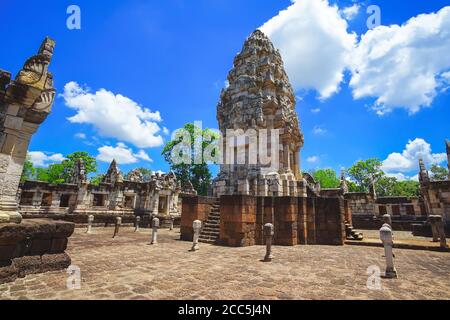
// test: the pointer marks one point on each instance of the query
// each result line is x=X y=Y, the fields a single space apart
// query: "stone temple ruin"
x=249 y=194
x=114 y=196
x=25 y=102
x=259 y=97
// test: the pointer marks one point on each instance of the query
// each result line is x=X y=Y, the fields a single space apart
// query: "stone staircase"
x=351 y=234
x=211 y=229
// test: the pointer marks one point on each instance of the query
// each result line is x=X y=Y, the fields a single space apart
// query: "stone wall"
x=34 y=246
x=193 y=208
x=297 y=220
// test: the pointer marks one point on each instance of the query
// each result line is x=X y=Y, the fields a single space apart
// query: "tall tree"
x=190 y=144
x=438 y=173
x=29 y=170
x=326 y=177
x=366 y=172
x=90 y=163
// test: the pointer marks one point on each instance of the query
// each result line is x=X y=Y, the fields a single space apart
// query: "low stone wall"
x=194 y=208
x=400 y=223
x=33 y=246
x=296 y=220
x=80 y=220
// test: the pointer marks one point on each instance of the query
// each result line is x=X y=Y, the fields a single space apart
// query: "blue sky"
x=173 y=57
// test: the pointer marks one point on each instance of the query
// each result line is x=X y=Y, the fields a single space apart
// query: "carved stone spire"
x=24 y=104
x=424 y=178
x=113 y=174
x=259 y=96
x=343 y=185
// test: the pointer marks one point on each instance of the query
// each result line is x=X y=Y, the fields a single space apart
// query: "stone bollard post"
x=155 y=226
x=171 y=223
x=89 y=227
x=387 y=219
x=268 y=235
x=136 y=224
x=438 y=229
x=197 y=226
x=116 y=229
x=387 y=239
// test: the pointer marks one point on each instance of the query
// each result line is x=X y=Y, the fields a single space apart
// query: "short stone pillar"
x=438 y=229
x=171 y=220
x=155 y=226
x=197 y=226
x=136 y=223
x=89 y=227
x=268 y=235
x=387 y=239
x=387 y=219
x=118 y=224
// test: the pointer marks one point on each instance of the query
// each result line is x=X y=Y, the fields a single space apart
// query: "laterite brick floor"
x=127 y=267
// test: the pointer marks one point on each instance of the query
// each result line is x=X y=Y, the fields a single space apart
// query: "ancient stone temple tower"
x=259 y=124
x=24 y=104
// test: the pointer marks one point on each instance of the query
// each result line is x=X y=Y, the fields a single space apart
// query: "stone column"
x=24 y=104
x=117 y=226
x=268 y=235
x=155 y=226
x=197 y=226
x=89 y=228
x=387 y=239
x=136 y=224
x=387 y=219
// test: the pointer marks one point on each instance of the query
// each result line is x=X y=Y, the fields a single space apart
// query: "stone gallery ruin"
x=37 y=218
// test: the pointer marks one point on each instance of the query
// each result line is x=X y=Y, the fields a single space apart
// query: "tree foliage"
x=195 y=171
x=58 y=172
x=364 y=172
x=438 y=172
x=326 y=177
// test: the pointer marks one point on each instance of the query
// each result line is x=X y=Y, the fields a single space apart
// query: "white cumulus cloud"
x=350 y=12
x=312 y=159
x=122 y=154
x=314 y=42
x=44 y=159
x=408 y=160
x=403 y=66
x=114 y=115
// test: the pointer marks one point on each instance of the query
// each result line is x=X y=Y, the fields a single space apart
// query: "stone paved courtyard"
x=128 y=267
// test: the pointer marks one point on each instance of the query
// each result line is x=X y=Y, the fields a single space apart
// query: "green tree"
x=183 y=146
x=438 y=172
x=326 y=177
x=29 y=170
x=407 y=188
x=90 y=163
x=95 y=180
x=385 y=186
x=53 y=174
x=364 y=172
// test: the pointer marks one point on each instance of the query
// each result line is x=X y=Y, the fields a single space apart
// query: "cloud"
x=403 y=66
x=316 y=110
x=314 y=42
x=319 y=130
x=122 y=154
x=408 y=160
x=350 y=12
x=312 y=159
x=80 y=135
x=166 y=131
x=114 y=115
x=44 y=159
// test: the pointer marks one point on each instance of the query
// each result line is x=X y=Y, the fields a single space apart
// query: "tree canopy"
x=190 y=144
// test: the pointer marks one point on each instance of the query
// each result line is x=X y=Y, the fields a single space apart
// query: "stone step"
x=208 y=241
x=210 y=230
